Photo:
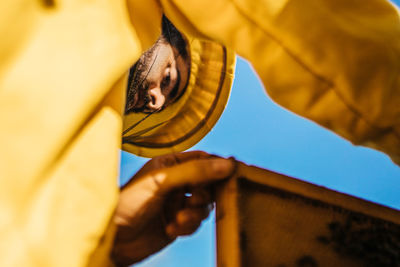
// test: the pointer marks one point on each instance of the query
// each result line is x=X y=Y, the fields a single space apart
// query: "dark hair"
x=173 y=36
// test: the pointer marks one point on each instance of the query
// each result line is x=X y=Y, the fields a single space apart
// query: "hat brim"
x=185 y=122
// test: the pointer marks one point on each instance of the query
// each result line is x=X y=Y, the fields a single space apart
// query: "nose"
x=157 y=99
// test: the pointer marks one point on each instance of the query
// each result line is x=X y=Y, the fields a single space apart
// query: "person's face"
x=162 y=75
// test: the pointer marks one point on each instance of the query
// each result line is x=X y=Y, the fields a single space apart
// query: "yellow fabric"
x=185 y=122
x=145 y=16
x=62 y=66
x=61 y=97
x=335 y=62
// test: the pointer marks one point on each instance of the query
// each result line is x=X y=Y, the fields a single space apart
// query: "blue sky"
x=255 y=130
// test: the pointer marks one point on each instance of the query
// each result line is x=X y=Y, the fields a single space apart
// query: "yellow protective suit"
x=62 y=79
x=335 y=62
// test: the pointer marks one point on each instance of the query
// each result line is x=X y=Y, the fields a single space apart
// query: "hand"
x=153 y=208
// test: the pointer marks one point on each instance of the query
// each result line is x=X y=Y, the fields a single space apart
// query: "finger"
x=174 y=231
x=176 y=158
x=193 y=172
x=200 y=196
x=191 y=216
x=187 y=221
x=175 y=201
x=190 y=155
x=171 y=160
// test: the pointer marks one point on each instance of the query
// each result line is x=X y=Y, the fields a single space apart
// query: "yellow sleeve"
x=62 y=87
x=336 y=62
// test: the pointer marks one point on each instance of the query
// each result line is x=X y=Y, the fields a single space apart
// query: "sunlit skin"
x=153 y=209
x=165 y=75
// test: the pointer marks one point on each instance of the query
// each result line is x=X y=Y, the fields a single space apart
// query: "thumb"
x=193 y=172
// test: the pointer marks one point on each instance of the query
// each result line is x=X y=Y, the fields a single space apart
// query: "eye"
x=167 y=79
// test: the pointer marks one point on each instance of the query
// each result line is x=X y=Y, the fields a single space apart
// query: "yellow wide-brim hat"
x=185 y=122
